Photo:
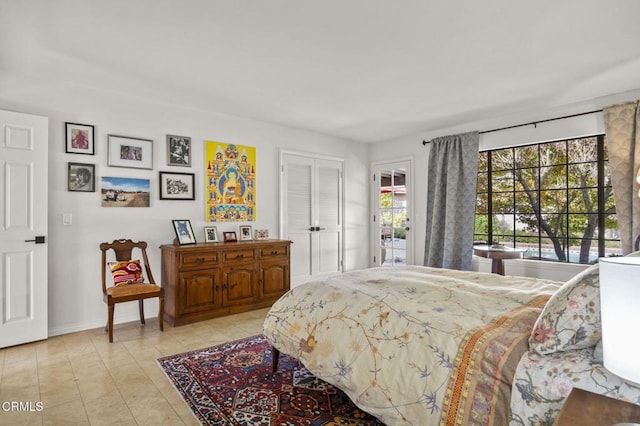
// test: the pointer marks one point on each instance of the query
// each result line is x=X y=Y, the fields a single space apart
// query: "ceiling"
x=362 y=70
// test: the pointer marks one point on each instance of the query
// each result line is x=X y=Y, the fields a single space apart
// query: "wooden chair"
x=128 y=292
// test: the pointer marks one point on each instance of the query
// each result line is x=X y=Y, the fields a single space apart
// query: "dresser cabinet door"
x=199 y=291
x=274 y=279
x=238 y=286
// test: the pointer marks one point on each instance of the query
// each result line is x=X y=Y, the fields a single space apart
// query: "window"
x=553 y=199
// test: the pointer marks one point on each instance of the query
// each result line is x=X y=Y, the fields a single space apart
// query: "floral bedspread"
x=413 y=345
x=543 y=382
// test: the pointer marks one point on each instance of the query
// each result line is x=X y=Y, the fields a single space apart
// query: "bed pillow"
x=571 y=318
x=128 y=272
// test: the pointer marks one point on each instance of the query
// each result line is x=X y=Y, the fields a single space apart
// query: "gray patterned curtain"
x=622 y=126
x=451 y=201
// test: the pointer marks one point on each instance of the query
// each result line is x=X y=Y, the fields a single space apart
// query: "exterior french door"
x=392 y=243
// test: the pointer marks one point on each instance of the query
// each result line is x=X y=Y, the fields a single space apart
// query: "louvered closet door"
x=311 y=195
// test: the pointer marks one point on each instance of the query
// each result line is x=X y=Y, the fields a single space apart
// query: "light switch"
x=67 y=219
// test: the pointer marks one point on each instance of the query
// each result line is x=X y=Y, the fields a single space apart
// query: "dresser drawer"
x=193 y=260
x=274 y=252
x=240 y=255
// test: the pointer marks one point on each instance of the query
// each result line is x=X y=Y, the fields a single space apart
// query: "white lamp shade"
x=620 y=309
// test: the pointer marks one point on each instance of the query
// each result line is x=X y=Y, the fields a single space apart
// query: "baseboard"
x=59 y=331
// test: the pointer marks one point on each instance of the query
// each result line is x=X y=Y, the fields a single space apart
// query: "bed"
x=429 y=346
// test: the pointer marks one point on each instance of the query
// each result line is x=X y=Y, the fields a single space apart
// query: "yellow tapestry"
x=230 y=182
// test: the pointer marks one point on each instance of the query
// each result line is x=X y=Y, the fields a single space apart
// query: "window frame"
x=486 y=177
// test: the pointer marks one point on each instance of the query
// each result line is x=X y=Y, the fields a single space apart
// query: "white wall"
x=411 y=146
x=75 y=297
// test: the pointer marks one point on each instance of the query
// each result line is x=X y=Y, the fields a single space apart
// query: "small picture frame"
x=129 y=152
x=184 y=232
x=261 y=234
x=177 y=186
x=245 y=233
x=178 y=151
x=79 y=138
x=210 y=234
x=81 y=177
x=229 y=237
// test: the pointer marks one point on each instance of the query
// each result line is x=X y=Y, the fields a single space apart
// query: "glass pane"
x=583 y=250
x=583 y=150
x=553 y=201
x=483 y=178
x=553 y=153
x=523 y=203
x=482 y=203
x=399 y=257
x=502 y=181
x=583 y=175
x=502 y=202
x=583 y=200
x=527 y=224
x=502 y=159
x=504 y=239
x=482 y=224
x=526 y=179
x=526 y=156
x=553 y=177
x=482 y=162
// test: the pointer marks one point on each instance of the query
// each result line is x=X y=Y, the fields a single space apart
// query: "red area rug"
x=232 y=384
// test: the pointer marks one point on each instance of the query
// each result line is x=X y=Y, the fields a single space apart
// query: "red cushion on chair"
x=128 y=272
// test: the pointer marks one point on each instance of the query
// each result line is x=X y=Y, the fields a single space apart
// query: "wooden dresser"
x=203 y=281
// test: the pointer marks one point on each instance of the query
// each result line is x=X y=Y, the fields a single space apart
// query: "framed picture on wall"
x=130 y=152
x=184 y=232
x=79 y=138
x=178 y=150
x=177 y=186
x=210 y=234
x=81 y=177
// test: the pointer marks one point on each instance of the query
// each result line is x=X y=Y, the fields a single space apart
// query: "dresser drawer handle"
x=274 y=253
x=200 y=260
x=239 y=256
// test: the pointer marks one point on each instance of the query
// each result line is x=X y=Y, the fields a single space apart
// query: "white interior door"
x=391 y=237
x=311 y=215
x=23 y=228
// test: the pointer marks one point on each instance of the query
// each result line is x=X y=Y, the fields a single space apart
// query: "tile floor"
x=82 y=379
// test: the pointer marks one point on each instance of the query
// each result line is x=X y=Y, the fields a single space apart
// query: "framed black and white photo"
x=184 y=231
x=178 y=150
x=81 y=177
x=177 y=186
x=210 y=234
x=245 y=233
x=79 y=138
x=130 y=152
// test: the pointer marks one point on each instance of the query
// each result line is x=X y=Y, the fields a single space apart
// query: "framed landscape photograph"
x=184 y=231
x=245 y=233
x=81 y=177
x=230 y=237
x=210 y=234
x=178 y=151
x=129 y=152
x=177 y=186
x=79 y=138
x=124 y=192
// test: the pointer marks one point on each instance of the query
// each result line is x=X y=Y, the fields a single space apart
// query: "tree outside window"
x=553 y=199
